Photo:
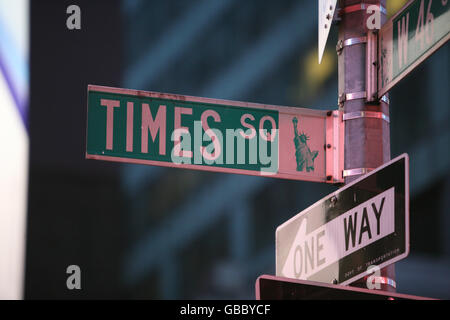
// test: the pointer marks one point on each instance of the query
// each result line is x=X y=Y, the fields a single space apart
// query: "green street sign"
x=408 y=38
x=215 y=135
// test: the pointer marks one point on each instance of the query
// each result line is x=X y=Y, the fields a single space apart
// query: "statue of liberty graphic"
x=305 y=157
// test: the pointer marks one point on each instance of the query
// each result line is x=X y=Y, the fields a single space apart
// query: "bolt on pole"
x=367 y=139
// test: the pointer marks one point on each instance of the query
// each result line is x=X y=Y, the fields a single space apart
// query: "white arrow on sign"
x=326 y=13
x=349 y=232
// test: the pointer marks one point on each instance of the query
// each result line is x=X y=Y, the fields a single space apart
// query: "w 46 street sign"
x=408 y=38
x=214 y=135
x=341 y=237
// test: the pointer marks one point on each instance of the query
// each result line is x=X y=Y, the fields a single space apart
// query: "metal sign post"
x=367 y=139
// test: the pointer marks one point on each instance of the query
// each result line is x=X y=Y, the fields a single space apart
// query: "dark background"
x=144 y=232
x=76 y=210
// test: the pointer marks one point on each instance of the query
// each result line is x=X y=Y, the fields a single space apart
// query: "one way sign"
x=337 y=239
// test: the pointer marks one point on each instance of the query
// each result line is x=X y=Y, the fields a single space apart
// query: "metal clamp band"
x=355 y=95
x=384 y=280
x=365 y=114
x=349 y=42
x=355 y=172
x=361 y=6
x=352 y=41
x=358 y=95
x=351 y=96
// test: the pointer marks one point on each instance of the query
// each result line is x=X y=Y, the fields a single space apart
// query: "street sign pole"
x=367 y=140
